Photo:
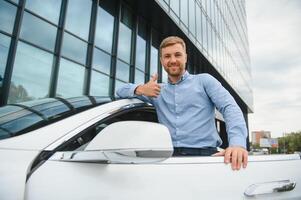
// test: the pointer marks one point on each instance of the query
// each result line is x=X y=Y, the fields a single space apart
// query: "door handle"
x=269 y=187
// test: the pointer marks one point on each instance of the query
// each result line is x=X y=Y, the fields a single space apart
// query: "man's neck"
x=175 y=79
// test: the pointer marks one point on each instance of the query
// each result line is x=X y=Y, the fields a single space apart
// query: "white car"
x=86 y=149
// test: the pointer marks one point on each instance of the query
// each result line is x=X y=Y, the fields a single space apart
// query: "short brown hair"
x=171 y=40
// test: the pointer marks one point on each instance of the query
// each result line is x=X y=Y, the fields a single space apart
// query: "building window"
x=184 y=12
x=140 y=52
x=78 y=17
x=49 y=9
x=101 y=61
x=122 y=71
x=4 y=46
x=74 y=48
x=38 y=31
x=104 y=30
x=31 y=74
x=7 y=16
x=70 y=79
x=99 y=84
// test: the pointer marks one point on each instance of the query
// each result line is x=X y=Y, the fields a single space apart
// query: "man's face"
x=173 y=58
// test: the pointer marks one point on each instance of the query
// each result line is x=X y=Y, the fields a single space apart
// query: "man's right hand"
x=150 y=89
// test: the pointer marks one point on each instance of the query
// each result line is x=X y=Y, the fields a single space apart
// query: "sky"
x=274 y=30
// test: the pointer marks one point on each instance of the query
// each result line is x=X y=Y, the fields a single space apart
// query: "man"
x=186 y=105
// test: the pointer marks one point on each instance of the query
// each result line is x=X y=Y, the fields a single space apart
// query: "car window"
x=143 y=113
x=17 y=119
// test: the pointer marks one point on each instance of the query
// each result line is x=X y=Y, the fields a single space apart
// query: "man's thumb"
x=154 y=78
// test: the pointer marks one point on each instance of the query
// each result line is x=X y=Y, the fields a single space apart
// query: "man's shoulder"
x=204 y=77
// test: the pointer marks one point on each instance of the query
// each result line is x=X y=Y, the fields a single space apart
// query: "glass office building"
x=66 y=48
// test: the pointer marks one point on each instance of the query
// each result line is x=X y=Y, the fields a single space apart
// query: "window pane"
x=124 y=43
x=104 y=30
x=49 y=9
x=101 y=61
x=192 y=17
x=139 y=76
x=174 y=5
x=7 y=16
x=78 y=17
x=118 y=84
x=184 y=12
x=99 y=84
x=122 y=71
x=204 y=33
x=140 y=53
x=4 y=46
x=74 y=48
x=31 y=74
x=198 y=23
x=38 y=31
x=164 y=76
x=70 y=80
x=154 y=61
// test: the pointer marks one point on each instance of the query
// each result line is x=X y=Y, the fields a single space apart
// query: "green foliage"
x=290 y=143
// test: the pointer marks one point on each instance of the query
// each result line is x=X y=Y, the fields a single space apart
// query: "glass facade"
x=70 y=52
x=219 y=30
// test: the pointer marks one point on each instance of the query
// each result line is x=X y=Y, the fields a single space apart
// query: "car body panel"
x=176 y=178
x=14 y=167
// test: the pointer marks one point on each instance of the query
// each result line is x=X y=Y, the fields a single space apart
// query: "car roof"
x=20 y=118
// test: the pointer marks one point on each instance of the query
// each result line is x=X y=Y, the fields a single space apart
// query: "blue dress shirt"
x=187 y=108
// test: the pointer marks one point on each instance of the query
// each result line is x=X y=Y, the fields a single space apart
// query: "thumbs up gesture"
x=150 y=89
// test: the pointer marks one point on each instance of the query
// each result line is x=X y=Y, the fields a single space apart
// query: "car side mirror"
x=126 y=142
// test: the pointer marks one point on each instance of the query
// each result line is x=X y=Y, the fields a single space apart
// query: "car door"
x=174 y=178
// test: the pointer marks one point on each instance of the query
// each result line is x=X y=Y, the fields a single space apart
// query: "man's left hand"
x=236 y=155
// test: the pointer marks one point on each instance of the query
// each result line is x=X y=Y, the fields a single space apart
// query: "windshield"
x=17 y=119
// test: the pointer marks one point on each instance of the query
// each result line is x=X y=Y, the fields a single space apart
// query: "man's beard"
x=175 y=72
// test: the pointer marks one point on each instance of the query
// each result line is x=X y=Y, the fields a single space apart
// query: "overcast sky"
x=275 y=48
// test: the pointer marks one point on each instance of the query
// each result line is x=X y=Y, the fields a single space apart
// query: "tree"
x=290 y=143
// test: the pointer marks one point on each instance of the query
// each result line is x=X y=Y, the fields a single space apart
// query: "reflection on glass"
x=38 y=31
x=70 y=79
x=124 y=43
x=164 y=76
x=139 y=76
x=184 y=11
x=4 y=46
x=192 y=17
x=140 y=53
x=122 y=71
x=99 y=84
x=31 y=74
x=118 y=84
x=101 y=61
x=74 y=48
x=154 y=61
x=204 y=33
x=104 y=30
x=174 y=5
x=78 y=17
x=7 y=16
x=198 y=23
x=49 y=9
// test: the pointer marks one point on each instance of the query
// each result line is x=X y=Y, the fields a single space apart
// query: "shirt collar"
x=183 y=77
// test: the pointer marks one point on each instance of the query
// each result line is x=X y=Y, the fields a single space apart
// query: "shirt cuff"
x=132 y=90
x=238 y=141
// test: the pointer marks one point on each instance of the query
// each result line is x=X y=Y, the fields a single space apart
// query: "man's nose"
x=172 y=59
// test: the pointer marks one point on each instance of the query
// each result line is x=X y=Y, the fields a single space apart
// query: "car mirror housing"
x=125 y=142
